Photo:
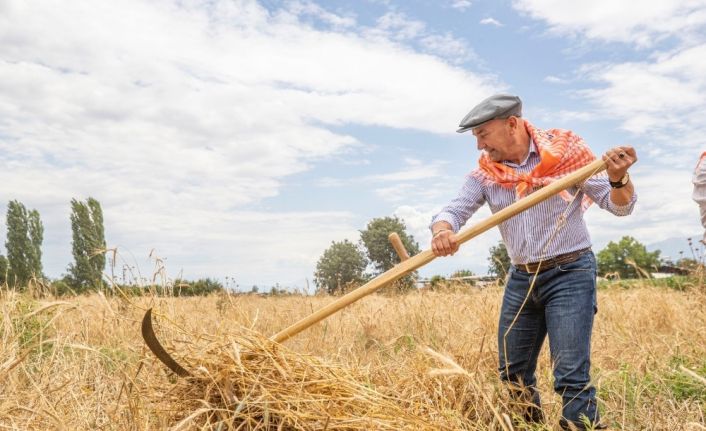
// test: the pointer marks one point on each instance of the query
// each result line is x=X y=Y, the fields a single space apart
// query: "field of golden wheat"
x=425 y=360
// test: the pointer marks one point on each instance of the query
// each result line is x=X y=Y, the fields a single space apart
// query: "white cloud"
x=659 y=97
x=641 y=23
x=449 y=47
x=308 y=8
x=664 y=208
x=554 y=79
x=330 y=182
x=461 y=5
x=414 y=171
x=662 y=98
x=177 y=116
x=491 y=21
x=396 y=193
x=398 y=26
x=562 y=116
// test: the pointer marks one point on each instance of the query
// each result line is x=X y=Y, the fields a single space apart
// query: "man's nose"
x=480 y=144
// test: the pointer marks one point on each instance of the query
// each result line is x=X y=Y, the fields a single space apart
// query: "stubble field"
x=425 y=360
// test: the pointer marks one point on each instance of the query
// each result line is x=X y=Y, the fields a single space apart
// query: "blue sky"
x=239 y=138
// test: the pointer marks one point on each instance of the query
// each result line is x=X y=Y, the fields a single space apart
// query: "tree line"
x=22 y=263
x=341 y=266
x=344 y=265
x=21 y=266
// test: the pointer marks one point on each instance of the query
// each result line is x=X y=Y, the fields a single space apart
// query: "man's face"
x=494 y=138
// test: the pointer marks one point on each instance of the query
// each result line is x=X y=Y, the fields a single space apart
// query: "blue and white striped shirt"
x=526 y=235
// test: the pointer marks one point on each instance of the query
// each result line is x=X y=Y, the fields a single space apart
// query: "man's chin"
x=494 y=157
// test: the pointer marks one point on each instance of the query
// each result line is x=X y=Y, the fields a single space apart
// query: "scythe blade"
x=156 y=348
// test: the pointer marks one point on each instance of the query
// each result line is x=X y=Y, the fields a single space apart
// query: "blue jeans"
x=562 y=304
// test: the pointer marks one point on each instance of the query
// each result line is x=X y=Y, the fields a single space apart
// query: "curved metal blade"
x=156 y=348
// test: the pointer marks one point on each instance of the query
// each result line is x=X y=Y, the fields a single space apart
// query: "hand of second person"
x=618 y=161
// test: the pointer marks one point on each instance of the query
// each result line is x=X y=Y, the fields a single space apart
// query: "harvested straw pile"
x=250 y=383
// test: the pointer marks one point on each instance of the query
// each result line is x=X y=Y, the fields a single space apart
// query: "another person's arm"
x=699 y=194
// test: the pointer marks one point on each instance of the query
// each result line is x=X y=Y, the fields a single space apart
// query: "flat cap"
x=492 y=108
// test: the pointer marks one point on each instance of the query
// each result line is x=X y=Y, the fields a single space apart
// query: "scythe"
x=396 y=272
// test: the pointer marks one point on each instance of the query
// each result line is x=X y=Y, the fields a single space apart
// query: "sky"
x=237 y=139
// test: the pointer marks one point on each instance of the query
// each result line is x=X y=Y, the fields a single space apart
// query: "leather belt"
x=553 y=262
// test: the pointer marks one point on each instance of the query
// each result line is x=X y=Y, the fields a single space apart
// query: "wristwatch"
x=621 y=182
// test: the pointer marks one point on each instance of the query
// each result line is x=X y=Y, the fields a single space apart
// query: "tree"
x=381 y=253
x=3 y=269
x=379 y=250
x=341 y=265
x=499 y=261
x=436 y=281
x=459 y=274
x=200 y=287
x=88 y=244
x=687 y=264
x=624 y=256
x=24 y=244
x=36 y=237
x=462 y=273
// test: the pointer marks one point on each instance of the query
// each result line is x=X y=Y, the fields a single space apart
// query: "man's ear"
x=512 y=124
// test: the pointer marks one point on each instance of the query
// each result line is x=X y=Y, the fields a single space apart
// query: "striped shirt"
x=527 y=234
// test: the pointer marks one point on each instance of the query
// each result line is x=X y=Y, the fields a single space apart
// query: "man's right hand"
x=443 y=242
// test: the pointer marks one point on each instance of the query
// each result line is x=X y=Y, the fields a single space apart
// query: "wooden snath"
x=407 y=264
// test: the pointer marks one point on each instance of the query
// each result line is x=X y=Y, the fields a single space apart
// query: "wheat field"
x=424 y=360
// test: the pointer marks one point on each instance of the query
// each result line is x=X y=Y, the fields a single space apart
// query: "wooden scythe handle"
x=427 y=256
x=397 y=244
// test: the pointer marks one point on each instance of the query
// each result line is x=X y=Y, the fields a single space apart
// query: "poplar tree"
x=36 y=237
x=3 y=269
x=88 y=244
x=24 y=244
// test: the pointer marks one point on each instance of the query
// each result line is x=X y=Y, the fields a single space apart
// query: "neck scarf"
x=561 y=152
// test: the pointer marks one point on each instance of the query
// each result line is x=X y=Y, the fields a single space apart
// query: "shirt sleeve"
x=699 y=193
x=699 y=180
x=598 y=189
x=461 y=208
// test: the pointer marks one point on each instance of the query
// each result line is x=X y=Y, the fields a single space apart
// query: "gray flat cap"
x=492 y=108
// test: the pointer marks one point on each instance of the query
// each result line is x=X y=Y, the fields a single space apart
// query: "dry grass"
x=80 y=363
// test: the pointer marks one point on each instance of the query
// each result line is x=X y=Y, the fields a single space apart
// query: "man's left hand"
x=618 y=160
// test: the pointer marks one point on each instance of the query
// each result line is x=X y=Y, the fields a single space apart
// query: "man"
x=699 y=195
x=553 y=267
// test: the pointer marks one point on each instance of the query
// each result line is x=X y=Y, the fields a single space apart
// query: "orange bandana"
x=561 y=152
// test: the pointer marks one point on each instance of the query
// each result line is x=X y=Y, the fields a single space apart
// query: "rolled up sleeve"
x=598 y=189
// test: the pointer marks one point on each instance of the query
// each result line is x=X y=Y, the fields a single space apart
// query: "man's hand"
x=443 y=242
x=618 y=160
